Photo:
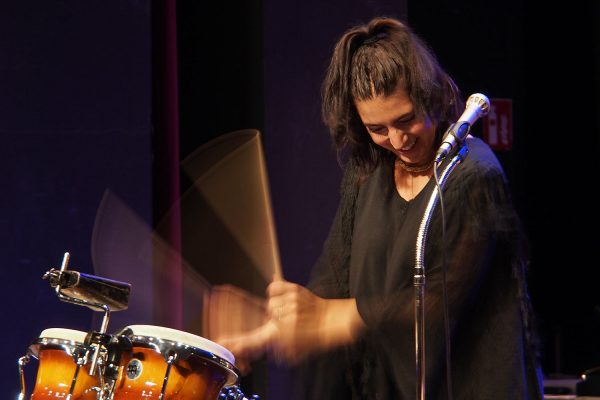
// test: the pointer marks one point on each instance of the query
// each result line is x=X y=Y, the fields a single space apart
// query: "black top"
x=370 y=255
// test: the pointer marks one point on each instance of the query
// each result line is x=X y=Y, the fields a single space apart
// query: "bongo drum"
x=62 y=370
x=180 y=365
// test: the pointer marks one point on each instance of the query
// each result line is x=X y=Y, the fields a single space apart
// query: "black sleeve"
x=325 y=376
x=329 y=276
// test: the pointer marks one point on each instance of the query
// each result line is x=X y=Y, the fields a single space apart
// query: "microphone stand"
x=419 y=273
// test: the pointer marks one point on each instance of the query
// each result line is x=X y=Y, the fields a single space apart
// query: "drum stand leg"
x=22 y=362
x=97 y=363
x=102 y=393
x=103 y=329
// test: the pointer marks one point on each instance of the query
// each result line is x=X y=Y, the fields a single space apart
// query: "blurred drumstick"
x=231 y=196
x=270 y=223
x=228 y=252
x=125 y=247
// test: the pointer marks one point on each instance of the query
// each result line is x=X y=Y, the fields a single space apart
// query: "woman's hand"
x=299 y=324
x=308 y=324
x=249 y=346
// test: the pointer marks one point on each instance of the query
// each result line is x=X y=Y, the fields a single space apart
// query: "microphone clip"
x=478 y=105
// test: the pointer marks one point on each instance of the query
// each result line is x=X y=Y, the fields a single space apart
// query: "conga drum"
x=175 y=364
x=62 y=366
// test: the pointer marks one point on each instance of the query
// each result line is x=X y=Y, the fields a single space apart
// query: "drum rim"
x=163 y=331
x=165 y=345
x=65 y=339
x=66 y=345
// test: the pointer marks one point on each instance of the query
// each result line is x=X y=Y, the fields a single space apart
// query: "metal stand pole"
x=419 y=274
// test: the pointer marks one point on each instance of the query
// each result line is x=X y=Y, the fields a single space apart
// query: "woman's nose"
x=397 y=138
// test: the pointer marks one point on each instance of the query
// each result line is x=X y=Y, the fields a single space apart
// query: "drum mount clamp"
x=97 y=293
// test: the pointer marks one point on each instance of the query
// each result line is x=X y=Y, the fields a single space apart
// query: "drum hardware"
x=234 y=393
x=181 y=346
x=179 y=364
x=97 y=293
x=80 y=361
x=170 y=362
x=22 y=362
x=91 y=291
x=140 y=361
x=62 y=356
x=108 y=362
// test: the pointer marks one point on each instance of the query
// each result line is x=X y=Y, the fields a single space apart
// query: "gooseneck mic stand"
x=419 y=273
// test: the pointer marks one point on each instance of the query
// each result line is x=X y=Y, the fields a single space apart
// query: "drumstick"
x=277 y=273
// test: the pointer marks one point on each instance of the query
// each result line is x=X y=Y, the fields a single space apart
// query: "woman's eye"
x=406 y=120
x=378 y=130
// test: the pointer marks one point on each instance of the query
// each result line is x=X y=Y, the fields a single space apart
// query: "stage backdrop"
x=75 y=121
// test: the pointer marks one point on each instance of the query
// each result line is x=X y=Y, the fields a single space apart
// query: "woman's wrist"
x=343 y=323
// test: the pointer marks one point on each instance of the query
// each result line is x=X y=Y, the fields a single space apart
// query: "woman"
x=387 y=104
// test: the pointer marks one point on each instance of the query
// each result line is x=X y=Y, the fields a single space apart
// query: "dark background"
x=81 y=110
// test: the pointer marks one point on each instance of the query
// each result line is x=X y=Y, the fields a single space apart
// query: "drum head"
x=64 y=334
x=155 y=335
x=67 y=339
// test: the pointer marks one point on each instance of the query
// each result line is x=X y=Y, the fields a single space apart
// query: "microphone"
x=477 y=106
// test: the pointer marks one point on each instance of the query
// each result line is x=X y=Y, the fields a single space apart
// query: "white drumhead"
x=64 y=334
x=189 y=339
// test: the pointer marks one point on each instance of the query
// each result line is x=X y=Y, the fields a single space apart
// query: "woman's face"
x=392 y=124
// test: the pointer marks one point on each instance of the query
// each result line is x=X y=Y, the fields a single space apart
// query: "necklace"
x=416 y=168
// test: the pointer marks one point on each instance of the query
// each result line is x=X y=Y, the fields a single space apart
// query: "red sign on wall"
x=497 y=125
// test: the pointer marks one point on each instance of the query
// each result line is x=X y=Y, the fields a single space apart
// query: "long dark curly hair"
x=373 y=60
